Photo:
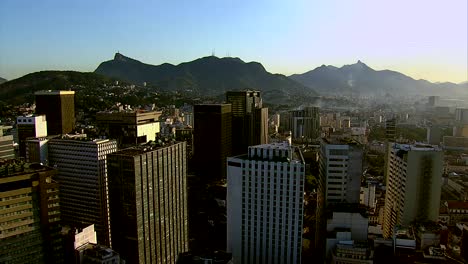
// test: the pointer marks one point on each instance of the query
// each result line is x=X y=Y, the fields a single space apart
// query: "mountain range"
x=20 y=89
x=360 y=79
x=2 y=80
x=213 y=76
x=209 y=76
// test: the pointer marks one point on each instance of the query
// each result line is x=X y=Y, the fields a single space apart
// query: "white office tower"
x=82 y=167
x=414 y=175
x=341 y=170
x=265 y=192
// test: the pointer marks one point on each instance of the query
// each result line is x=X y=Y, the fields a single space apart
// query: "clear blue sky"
x=422 y=38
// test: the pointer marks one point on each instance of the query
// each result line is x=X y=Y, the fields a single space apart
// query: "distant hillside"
x=2 y=80
x=360 y=79
x=207 y=76
x=18 y=90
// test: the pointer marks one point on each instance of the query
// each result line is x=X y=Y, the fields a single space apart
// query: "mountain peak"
x=120 y=57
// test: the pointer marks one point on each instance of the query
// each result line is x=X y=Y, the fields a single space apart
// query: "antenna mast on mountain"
x=213 y=52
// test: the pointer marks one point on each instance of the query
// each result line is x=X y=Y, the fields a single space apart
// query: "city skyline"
x=422 y=39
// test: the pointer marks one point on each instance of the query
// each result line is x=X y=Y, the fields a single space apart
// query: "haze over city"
x=422 y=39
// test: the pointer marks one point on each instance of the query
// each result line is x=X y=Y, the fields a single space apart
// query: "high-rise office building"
x=30 y=126
x=59 y=109
x=249 y=120
x=414 y=175
x=148 y=202
x=29 y=214
x=37 y=149
x=305 y=123
x=340 y=171
x=265 y=192
x=81 y=163
x=129 y=128
x=212 y=137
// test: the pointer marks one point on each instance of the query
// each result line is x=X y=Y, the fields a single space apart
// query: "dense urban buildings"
x=128 y=127
x=30 y=127
x=148 y=202
x=82 y=166
x=59 y=109
x=265 y=192
x=414 y=175
x=29 y=214
x=212 y=139
x=249 y=120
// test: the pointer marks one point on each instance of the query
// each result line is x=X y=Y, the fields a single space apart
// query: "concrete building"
x=148 y=202
x=434 y=101
x=29 y=214
x=59 y=109
x=128 y=127
x=81 y=163
x=350 y=252
x=37 y=149
x=7 y=150
x=96 y=254
x=212 y=139
x=249 y=120
x=434 y=135
x=368 y=197
x=30 y=127
x=265 y=193
x=305 y=123
x=461 y=116
x=413 y=185
x=340 y=171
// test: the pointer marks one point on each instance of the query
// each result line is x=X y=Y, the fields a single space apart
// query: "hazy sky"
x=421 y=38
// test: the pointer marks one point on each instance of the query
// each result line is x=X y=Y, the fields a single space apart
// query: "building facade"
x=413 y=186
x=7 y=151
x=265 y=193
x=81 y=163
x=28 y=127
x=305 y=123
x=249 y=120
x=340 y=171
x=59 y=109
x=129 y=128
x=212 y=139
x=29 y=214
x=148 y=202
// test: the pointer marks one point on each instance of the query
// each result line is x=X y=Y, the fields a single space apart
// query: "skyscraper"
x=30 y=126
x=249 y=120
x=59 y=109
x=339 y=182
x=128 y=127
x=265 y=192
x=29 y=214
x=305 y=123
x=81 y=163
x=340 y=171
x=414 y=175
x=212 y=139
x=148 y=202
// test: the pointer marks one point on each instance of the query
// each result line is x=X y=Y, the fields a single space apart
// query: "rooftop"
x=148 y=147
x=53 y=92
x=416 y=147
x=13 y=167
